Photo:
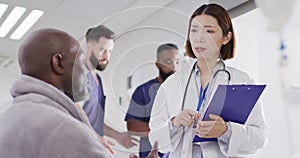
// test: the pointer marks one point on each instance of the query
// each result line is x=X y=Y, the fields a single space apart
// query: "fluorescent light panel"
x=30 y=20
x=3 y=8
x=11 y=20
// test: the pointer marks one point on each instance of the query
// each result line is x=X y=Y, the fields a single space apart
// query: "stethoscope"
x=213 y=78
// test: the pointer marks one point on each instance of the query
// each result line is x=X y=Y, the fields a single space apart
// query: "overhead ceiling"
x=75 y=16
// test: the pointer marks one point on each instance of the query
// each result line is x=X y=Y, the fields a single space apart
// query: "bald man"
x=43 y=121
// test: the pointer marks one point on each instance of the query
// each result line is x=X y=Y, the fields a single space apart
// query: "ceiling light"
x=11 y=20
x=30 y=20
x=3 y=8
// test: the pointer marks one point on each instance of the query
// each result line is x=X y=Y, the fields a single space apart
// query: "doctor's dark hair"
x=221 y=15
x=94 y=34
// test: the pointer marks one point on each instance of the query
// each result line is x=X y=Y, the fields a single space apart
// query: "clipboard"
x=233 y=103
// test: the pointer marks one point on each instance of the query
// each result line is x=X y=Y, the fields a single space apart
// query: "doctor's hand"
x=213 y=128
x=154 y=151
x=185 y=118
x=126 y=140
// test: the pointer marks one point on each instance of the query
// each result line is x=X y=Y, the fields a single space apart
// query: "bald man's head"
x=36 y=51
x=54 y=57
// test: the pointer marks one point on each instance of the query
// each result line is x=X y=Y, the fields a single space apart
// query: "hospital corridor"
x=144 y=78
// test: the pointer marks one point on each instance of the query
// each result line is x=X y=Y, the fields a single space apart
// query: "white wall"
x=281 y=116
x=260 y=58
x=8 y=75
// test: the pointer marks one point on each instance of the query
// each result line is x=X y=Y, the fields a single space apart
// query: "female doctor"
x=183 y=98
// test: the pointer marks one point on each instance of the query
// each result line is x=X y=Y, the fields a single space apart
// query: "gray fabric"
x=44 y=123
x=196 y=151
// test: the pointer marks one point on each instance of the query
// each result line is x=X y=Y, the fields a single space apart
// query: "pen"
x=195 y=120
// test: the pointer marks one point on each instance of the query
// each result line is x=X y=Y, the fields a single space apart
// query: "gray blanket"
x=44 y=123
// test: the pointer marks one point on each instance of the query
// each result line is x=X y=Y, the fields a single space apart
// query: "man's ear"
x=227 y=38
x=89 y=47
x=57 y=63
x=157 y=64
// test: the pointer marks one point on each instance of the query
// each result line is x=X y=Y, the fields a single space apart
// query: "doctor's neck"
x=206 y=66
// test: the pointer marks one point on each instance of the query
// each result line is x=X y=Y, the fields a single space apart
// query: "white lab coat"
x=245 y=139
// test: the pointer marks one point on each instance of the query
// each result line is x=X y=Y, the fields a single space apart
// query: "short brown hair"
x=94 y=33
x=221 y=15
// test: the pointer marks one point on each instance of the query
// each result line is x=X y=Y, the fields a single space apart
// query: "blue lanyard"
x=201 y=97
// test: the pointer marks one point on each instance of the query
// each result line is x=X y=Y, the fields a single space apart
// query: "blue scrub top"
x=95 y=106
x=140 y=109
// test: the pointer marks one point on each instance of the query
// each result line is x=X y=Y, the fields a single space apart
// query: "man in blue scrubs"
x=139 y=111
x=99 y=44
